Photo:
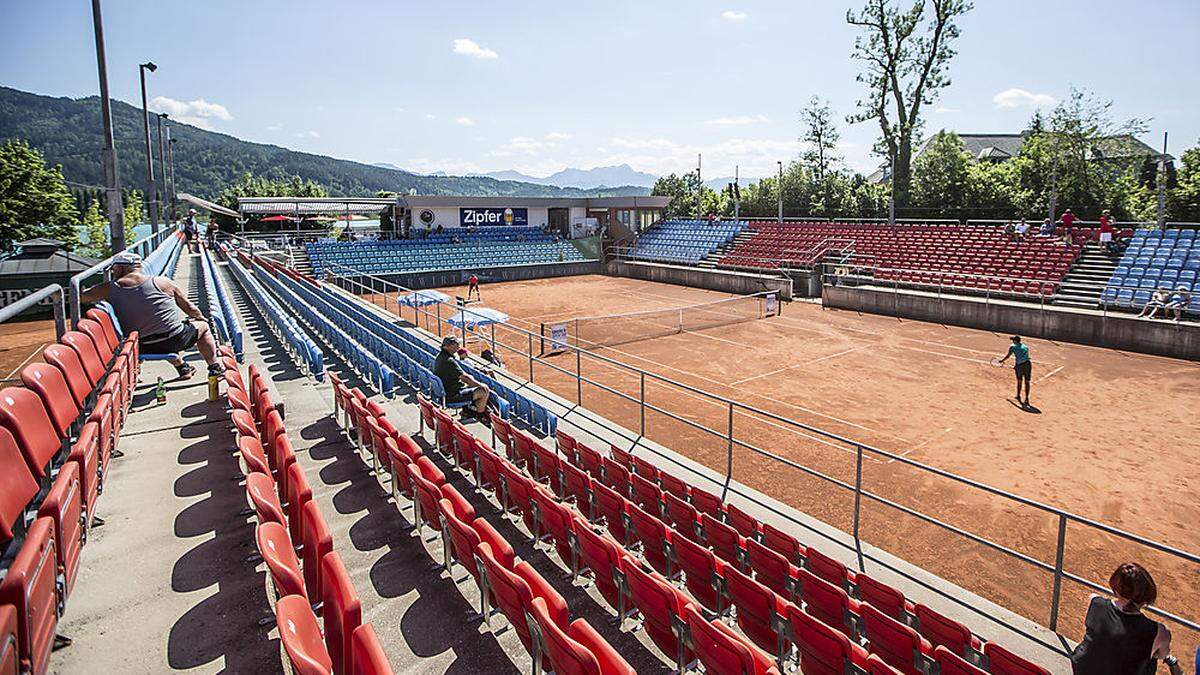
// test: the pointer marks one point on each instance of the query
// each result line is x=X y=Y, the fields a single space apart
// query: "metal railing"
x=142 y=247
x=54 y=293
x=523 y=342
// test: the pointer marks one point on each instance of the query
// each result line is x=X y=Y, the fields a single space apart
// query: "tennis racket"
x=996 y=363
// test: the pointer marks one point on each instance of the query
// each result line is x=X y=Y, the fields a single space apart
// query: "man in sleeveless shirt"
x=165 y=320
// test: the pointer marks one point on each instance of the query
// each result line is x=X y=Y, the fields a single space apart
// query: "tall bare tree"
x=906 y=54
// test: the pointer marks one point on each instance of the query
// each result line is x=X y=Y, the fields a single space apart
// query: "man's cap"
x=1016 y=338
x=449 y=340
x=127 y=258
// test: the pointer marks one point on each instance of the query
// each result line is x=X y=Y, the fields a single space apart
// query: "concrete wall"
x=742 y=283
x=419 y=280
x=1165 y=338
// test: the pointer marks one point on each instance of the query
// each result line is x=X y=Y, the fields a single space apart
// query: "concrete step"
x=1070 y=302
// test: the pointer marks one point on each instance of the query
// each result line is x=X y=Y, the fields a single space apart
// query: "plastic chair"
x=301 y=637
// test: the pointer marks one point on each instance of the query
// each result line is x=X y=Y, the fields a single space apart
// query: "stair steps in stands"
x=301 y=261
x=1084 y=283
x=710 y=261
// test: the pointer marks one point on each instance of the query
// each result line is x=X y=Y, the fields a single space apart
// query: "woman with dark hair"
x=1118 y=639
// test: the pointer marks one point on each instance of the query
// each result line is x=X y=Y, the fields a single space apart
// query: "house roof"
x=43 y=256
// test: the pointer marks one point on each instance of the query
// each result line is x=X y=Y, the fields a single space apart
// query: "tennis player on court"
x=473 y=286
x=1023 y=368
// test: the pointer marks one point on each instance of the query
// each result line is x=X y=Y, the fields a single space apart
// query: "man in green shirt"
x=460 y=387
x=1023 y=368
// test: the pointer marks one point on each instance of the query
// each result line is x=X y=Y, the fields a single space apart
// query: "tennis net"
x=594 y=332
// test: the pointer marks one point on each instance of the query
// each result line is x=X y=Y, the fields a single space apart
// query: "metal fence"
x=54 y=293
x=735 y=438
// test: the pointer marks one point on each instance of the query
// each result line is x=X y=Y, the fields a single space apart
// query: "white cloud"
x=198 y=113
x=738 y=120
x=733 y=15
x=430 y=116
x=471 y=48
x=308 y=134
x=275 y=127
x=755 y=156
x=557 y=136
x=464 y=121
x=1019 y=98
x=943 y=110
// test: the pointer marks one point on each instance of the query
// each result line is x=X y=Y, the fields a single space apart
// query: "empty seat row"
x=299 y=346
x=687 y=241
x=313 y=583
x=58 y=433
x=220 y=311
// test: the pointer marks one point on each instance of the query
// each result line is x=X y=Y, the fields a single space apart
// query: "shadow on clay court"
x=1031 y=409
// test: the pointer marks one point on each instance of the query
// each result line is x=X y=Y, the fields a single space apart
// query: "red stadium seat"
x=656 y=539
x=621 y=457
x=590 y=460
x=829 y=603
x=675 y=486
x=615 y=510
x=316 y=541
x=952 y=664
x=29 y=586
x=17 y=489
x=722 y=651
x=301 y=637
x=50 y=385
x=577 y=488
x=243 y=425
x=22 y=413
x=465 y=537
x=67 y=361
x=85 y=349
x=724 y=540
x=341 y=612
x=578 y=650
x=616 y=477
x=745 y=524
x=946 y=632
x=63 y=504
x=545 y=467
x=682 y=516
x=557 y=523
x=647 y=495
x=522 y=448
x=515 y=589
x=566 y=444
x=883 y=597
x=603 y=557
x=1003 y=662
x=783 y=543
x=661 y=606
x=644 y=469
x=877 y=666
x=296 y=493
x=275 y=547
x=517 y=495
x=366 y=654
x=828 y=569
x=772 y=569
x=896 y=643
x=823 y=650
x=501 y=431
x=489 y=466
x=260 y=490
x=254 y=460
x=703 y=573
x=760 y=610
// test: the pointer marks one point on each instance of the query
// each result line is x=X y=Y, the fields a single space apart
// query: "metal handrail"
x=54 y=291
x=378 y=284
x=142 y=247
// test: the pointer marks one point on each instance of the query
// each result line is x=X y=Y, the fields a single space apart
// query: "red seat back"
x=341 y=612
x=17 y=487
x=275 y=547
x=10 y=661
x=881 y=596
x=92 y=329
x=825 y=601
x=897 y=644
x=771 y=569
x=106 y=324
x=953 y=664
x=1003 y=662
x=823 y=650
x=66 y=360
x=943 y=631
x=92 y=362
x=317 y=541
x=29 y=586
x=301 y=636
x=296 y=491
x=22 y=413
x=260 y=488
x=366 y=654
x=613 y=507
x=721 y=650
x=660 y=604
x=702 y=572
x=758 y=608
x=655 y=538
x=50 y=385
x=724 y=540
x=603 y=556
x=64 y=505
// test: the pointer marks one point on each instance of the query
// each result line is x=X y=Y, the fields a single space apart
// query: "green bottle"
x=160 y=392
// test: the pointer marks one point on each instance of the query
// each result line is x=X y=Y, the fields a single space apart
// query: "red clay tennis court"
x=1113 y=437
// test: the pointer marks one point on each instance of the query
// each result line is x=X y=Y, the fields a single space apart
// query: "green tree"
x=251 y=185
x=1184 y=200
x=34 y=199
x=683 y=189
x=134 y=214
x=820 y=155
x=940 y=177
x=905 y=59
x=95 y=226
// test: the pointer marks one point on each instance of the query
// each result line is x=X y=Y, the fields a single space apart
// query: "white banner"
x=772 y=304
x=558 y=337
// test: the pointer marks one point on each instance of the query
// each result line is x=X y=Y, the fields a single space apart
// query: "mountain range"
x=68 y=132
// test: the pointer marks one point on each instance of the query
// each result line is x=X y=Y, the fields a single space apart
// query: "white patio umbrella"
x=477 y=316
x=423 y=298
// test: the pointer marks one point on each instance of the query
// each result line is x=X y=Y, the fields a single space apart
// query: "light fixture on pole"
x=171 y=168
x=162 y=161
x=108 y=155
x=151 y=190
x=780 y=190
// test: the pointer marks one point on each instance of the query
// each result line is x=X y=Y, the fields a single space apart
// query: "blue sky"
x=538 y=86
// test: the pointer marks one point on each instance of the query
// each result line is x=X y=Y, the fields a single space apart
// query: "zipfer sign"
x=493 y=216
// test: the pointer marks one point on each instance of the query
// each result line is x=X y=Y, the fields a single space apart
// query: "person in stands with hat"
x=189 y=231
x=460 y=387
x=165 y=320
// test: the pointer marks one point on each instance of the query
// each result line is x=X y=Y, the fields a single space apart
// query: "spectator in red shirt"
x=1106 y=228
x=1068 y=219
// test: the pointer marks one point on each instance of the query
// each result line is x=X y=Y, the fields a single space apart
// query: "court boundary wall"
x=726 y=281
x=1089 y=327
x=458 y=277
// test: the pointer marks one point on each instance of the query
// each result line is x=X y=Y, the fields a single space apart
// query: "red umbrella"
x=276 y=219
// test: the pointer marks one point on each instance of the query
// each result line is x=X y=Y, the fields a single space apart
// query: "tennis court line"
x=795 y=365
x=1047 y=375
x=35 y=352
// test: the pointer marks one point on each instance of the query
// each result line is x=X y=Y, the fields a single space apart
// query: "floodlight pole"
x=779 y=189
x=108 y=155
x=736 y=195
x=171 y=167
x=1162 y=185
x=699 y=191
x=892 y=194
x=1054 y=182
x=151 y=190
x=162 y=158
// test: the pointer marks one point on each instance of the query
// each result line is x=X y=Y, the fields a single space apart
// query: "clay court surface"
x=20 y=342
x=1114 y=436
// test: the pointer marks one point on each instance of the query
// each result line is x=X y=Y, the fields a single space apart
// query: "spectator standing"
x=211 y=233
x=1106 y=228
x=1068 y=219
x=189 y=230
x=1118 y=637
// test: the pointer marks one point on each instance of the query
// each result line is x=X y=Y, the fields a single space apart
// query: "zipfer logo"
x=493 y=216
